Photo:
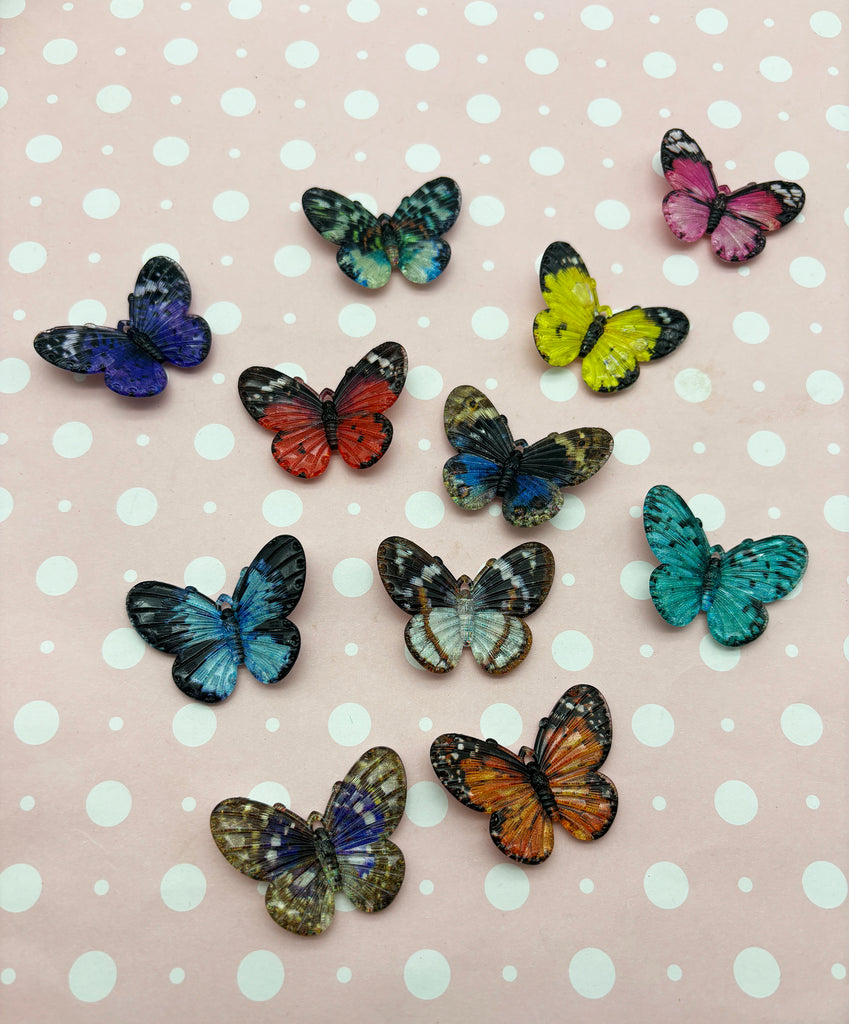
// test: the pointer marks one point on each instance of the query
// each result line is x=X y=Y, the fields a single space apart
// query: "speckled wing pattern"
x=575 y=325
x=485 y=613
x=160 y=330
x=527 y=478
x=735 y=221
x=310 y=426
x=370 y=247
x=732 y=587
x=211 y=639
x=306 y=862
x=557 y=782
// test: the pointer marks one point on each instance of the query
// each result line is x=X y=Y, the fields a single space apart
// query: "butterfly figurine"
x=310 y=425
x=526 y=477
x=131 y=356
x=735 y=221
x=370 y=247
x=306 y=862
x=575 y=325
x=556 y=782
x=485 y=613
x=732 y=587
x=211 y=639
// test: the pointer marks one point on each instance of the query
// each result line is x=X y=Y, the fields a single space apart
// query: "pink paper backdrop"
x=192 y=129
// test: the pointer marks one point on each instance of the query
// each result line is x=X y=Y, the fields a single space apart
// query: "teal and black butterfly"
x=732 y=587
x=409 y=239
x=307 y=861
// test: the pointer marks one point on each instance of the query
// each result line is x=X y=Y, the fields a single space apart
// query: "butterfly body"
x=736 y=222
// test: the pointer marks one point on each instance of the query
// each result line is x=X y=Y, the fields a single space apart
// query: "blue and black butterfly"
x=306 y=862
x=160 y=330
x=213 y=638
x=732 y=587
x=370 y=247
x=526 y=477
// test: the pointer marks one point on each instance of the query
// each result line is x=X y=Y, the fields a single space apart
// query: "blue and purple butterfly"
x=371 y=247
x=159 y=330
x=731 y=587
x=307 y=861
x=211 y=639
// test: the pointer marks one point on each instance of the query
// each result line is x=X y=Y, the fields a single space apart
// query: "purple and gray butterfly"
x=307 y=861
x=159 y=330
x=485 y=613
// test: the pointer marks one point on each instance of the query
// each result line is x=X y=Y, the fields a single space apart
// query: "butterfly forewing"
x=159 y=308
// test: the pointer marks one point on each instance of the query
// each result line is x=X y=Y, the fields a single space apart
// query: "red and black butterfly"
x=310 y=425
x=556 y=782
x=736 y=221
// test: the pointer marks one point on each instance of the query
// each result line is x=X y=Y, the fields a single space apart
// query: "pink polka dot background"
x=136 y=127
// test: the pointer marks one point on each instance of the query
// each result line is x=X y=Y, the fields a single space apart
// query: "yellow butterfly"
x=610 y=344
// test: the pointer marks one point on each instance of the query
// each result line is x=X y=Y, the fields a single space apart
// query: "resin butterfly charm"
x=526 y=477
x=732 y=587
x=306 y=862
x=575 y=325
x=131 y=356
x=735 y=221
x=485 y=613
x=556 y=782
x=309 y=426
x=370 y=247
x=211 y=639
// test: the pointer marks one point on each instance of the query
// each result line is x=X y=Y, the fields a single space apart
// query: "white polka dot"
x=752 y=328
x=351 y=649
x=692 y=385
x=776 y=69
x=486 y=210
x=344 y=975
x=27 y=803
x=838 y=971
x=812 y=802
x=206 y=574
x=223 y=317
x=356 y=320
x=424 y=509
x=765 y=448
x=825 y=24
x=646 y=650
x=480 y=13
x=170 y=151
x=123 y=648
x=612 y=214
x=36 y=722
x=483 y=109
x=558 y=384
x=87 y=311
x=101 y=203
x=214 y=441
x=653 y=725
x=14 y=375
x=116 y=723
x=193 y=725
x=591 y=973
x=666 y=885
x=541 y=61
x=586 y=885
x=824 y=884
x=546 y=160
x=735 y=802
x=270 y=793
x=282 y=508
x=422 y=57
x=422 y=157
x=659 y=64
x=507 y=886
x=27 y=257
x=634 y=579
x=836 y=512
x=596 y=17
x=136 y=506
x=231 y=206
x=59 y=51
x=424 y=382
x=114 y=99
x=260 y=973
x=674 y=972
x=301 y=54
x=709 y=509
x=502 y=722
x=824 y=387
x=604 y=112
x=490 y=323
x=837 y=117
x=711 y=21
x=176 y=975
x=238 y=102
x=56 y=575
x=756 y=972
x=807 y=272
x=727 y=725
x=427 y=973
x=349 y=724
x=427 y=804
x=161 y=249
x=717 y=656
x=724 y=114
x=72 y=439
x=572 y=650
x=11 y=9
x=101 y=887
x=292 y=260
x=352 y=577
x=793 y=165
x=361 y=104
x=297 y=155
x=658 y=803
x=183 y=887
x=43 y=149
x=363 y=11
x=681 y=270
x=93 y=974
x=801 y=724
x=108 y=803
x=180 y=51
x=631 y=447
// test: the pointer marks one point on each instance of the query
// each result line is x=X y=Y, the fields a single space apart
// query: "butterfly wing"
x=418 y=222
x=481 y=436
x=677 y=540
x=487 y=777
x=363 y=811
x=348 y=224
x=749 y=212
x=293 y=410
x=571 y=745
x=687 y=207
x=362 y=433
x=572 y=301
x=183 y=622
x=267 y=591
x=127 y=369
x=275 y=845
x=159 y=309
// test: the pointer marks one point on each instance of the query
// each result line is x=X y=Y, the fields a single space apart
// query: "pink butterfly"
x=735 y=221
